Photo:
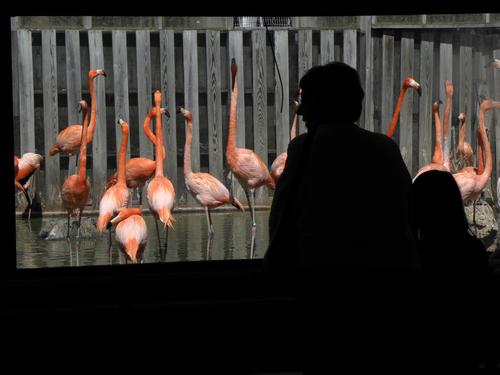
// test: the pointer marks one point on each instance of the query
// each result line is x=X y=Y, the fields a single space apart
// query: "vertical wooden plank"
x=305 y=63
x=190 y=53
x=99 y=151
x=366 y=74
x=26 y=95
x=120 y=83
x=406 y=115
x=350 y=47
x=282 y=96
x=50 y=118
x=259 y=60
x=445 y=73
x=465 y=92
x=215 y=138
x=15 y=90
x=168 y=100
x=73 y=83
x=144 y=90
x=425 y=126
x=327 y=46
x=377 y=81
x=387 y=81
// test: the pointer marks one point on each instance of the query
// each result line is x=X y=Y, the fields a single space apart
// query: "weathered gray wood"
x=168 y=100
x=406 y=115
x=99 y=143
x=465 y=72
x=377 y=81
x=215 y=136
x=260 y=101
x=120 y=75
x=350 y=48
x=26 y=96
x=425 y=126
x=387 y=81
x=15 y=90
x=445 y=73
x=50 y=118
x=282 y=96
x=366 y=73
x=144 y=90
x=191 y=94
x=327 y=46
x=305 y=63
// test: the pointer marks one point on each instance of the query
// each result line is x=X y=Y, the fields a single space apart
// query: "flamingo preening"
x=131 y=233
x=279 y=163
x=68 y=139
x=76 y=188
x=24 y=168
x=204 y=187
x=464 y=149
x=248 y=168
x=160 y=191
x=407 y=83
x=471 y=184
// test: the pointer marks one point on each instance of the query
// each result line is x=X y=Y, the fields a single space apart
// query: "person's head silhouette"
x=330 y=93
x=439 y=209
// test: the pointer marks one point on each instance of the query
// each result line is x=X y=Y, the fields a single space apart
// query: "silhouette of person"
x=340 y=224
x=455 y=265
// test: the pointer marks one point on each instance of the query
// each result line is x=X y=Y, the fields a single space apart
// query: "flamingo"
x=205 y=188
x=68 y=140
x=437 y=157
x=279 y=163
x=116 y=196
x=248 y=168
x=407 y=83
x=24 y=168
x=446 y=129
x=160 y=192
x=76 y=188
x=493 y=63
x=131 y=233
x=139 y=170
x=464 y=149
x=471 y=184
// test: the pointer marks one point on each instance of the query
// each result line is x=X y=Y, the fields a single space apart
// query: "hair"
x=331 y=93
x=438 y=205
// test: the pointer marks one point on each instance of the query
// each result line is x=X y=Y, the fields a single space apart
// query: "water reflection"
x=188 y=241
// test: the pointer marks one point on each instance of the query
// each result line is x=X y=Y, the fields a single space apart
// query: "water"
x=187 y=242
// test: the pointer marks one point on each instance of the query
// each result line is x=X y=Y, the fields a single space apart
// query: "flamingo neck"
x=159 y=142
x=187 y=148
x=231 y=139
x=82 y=168
x=93 y=111
x=438 y=152
x=293 y=132
x=480 y=159
x=395 y=116
x=461 y=138
x=121 y=157
x=446 y=131
x=485 y=175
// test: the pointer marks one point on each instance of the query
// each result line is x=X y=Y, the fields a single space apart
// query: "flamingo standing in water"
x=464 y=149
x=205 y=188
x=139 y=170
x=437 y=157
x=116 y=196
x=248 y=168
x=76 y=188
x=471 y=184
x=407 y=83
x=24 y=168
x=131 y=233
x=160 y=192
x=279 y=163
x=68 y=140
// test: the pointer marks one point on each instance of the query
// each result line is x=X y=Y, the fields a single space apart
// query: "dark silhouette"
x=341 y=227
x=455 y=265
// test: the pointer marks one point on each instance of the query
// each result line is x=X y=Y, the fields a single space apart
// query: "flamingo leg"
x=109 y=246
x=79 y=224
x=209 y=245
x=209 y=222
x=159 y=241
x=67 y=234
x=252 y=244
x=166 y=243
x=77 y=249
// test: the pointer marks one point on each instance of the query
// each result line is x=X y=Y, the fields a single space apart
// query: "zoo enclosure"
x=189 y=63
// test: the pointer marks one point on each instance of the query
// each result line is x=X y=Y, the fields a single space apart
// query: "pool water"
x=188 y=241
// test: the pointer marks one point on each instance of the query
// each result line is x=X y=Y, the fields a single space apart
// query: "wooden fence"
x=191 y=68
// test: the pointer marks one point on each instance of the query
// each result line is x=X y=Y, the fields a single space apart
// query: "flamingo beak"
x=178 y=109
x=419 y=90
x=166 y=112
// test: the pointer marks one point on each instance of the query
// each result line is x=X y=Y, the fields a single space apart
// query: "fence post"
x=144 y=89
x=387 y=81
x=305 y=63
x=425 y=127
x=406 y=116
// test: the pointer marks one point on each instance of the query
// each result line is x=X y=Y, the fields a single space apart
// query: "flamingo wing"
x=208 y=189
x=250 y=168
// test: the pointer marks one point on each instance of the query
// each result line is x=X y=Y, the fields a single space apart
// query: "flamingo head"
x=124 y=213
x=96 y=72
x=165 y=112
x=410 y=82
x=157 y=98
x=448 y=86
x=234 y=70
x=488 y=104
x=295 y=105
x=187 y=115
x=83 y=106
x=123 y=125
x=493 y=63
x=461 y=116
x=435 y=105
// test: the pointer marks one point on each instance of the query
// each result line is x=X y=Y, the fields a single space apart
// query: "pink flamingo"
x=76 y=188
x=446 y=129
x=279 y=163
x=248 y=168
x=407 y=83
x=68 y=140
x=131 y=233
x=24 y=168
x=205 y=188
x=494 y=63
x=160 y=192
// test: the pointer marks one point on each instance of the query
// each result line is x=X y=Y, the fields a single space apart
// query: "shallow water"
x=188 y=241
